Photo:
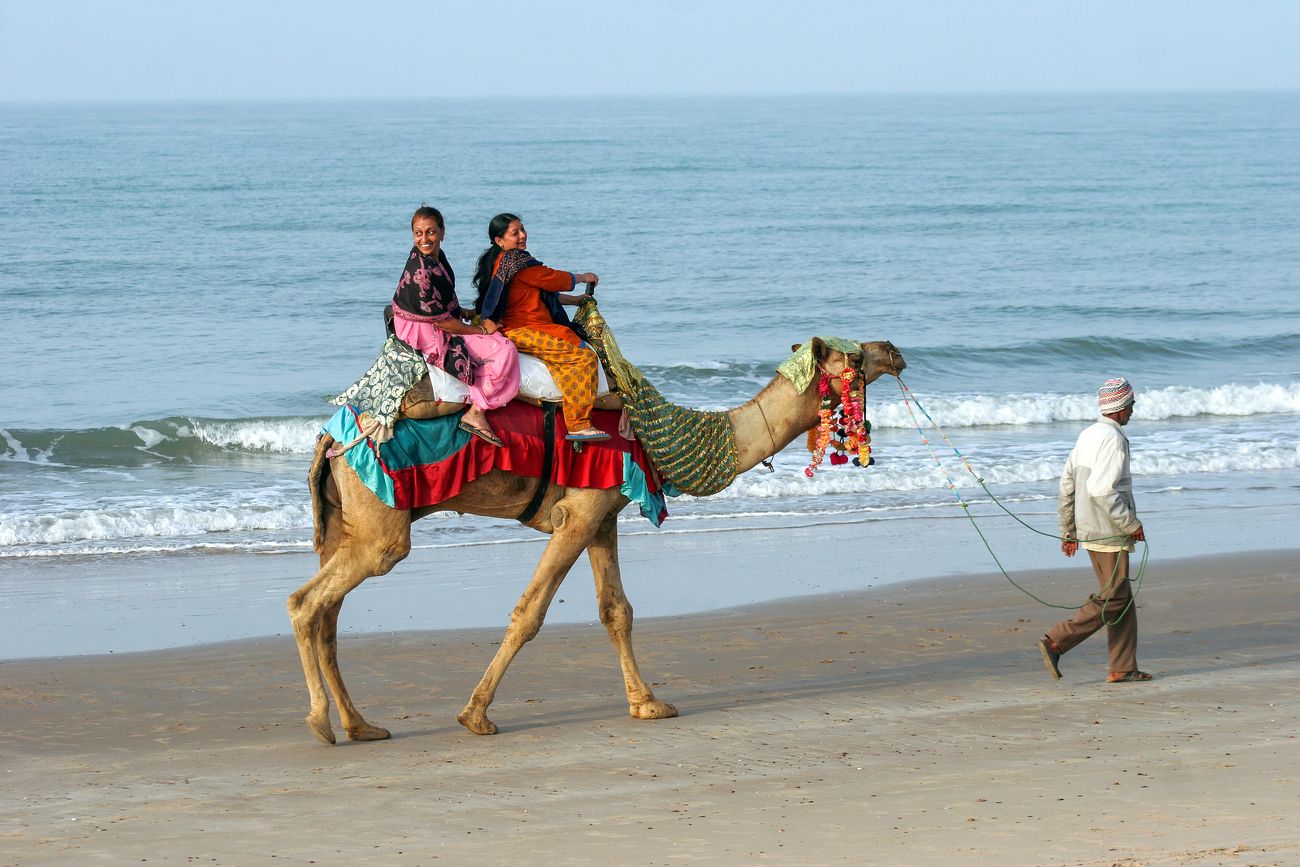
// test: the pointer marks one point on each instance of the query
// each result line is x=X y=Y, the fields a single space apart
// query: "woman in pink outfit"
x=427 y=315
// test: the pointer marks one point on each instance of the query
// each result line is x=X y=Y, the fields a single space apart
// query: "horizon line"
x=141 y=100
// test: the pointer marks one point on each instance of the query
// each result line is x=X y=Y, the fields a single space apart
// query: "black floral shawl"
x=426 y=292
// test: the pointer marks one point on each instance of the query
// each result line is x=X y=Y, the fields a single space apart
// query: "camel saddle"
x=440 y=394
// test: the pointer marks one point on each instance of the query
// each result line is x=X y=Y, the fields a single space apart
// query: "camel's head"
x=880 y=357
x=873 y=360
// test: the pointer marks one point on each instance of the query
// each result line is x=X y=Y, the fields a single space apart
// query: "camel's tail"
x=317 y=477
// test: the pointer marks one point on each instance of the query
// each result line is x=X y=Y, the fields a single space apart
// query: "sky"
x=80 y=50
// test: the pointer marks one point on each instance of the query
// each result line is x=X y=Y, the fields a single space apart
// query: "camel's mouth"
x=892 y=363
x=896 y=360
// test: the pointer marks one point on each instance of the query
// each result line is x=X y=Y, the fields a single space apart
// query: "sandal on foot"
x=1050 y=658
x=1127 y=676
x=486 y=435
x=590 y=435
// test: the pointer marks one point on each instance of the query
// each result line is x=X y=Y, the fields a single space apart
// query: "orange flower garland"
x=852 y=433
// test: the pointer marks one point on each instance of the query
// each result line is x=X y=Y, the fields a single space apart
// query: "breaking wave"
x=200 y=439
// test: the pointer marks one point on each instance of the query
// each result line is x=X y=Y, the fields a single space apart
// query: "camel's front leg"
x=616 y=614
x=571 y=534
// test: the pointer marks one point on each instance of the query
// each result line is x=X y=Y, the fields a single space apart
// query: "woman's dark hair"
x=429 y=214
x=497 y=227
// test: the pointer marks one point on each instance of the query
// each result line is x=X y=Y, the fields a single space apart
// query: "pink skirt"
x=496 y=361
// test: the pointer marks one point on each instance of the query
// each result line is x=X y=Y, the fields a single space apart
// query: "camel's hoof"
x=476 y=721
x=652 y=709
x=367 y=732
x=320 y=727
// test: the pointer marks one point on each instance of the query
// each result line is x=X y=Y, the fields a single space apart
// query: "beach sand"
x=910 y=724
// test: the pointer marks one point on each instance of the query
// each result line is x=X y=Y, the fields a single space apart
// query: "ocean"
x=183 y=284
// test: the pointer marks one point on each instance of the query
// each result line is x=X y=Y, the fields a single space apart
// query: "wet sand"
x=911 y=724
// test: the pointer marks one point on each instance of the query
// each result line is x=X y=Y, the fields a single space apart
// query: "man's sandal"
x=1050 y=658
x=1127 y=676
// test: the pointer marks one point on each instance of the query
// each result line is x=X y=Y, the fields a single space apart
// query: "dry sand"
x=912 y=724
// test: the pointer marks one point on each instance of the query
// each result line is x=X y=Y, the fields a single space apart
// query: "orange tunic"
x=530 y=327
x=525 y=309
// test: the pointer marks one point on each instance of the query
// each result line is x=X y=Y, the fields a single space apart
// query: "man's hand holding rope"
x=1069 y=548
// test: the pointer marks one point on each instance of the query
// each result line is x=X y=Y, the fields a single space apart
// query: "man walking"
x=1096 y=510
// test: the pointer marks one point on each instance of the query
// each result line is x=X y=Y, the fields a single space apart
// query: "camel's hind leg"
x=353 y=723
x=616 y=614
x=573 y=529
x=314 y=609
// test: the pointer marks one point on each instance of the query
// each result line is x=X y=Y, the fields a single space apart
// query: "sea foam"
x=147 y=522
x=285 y=436
x=887 y=409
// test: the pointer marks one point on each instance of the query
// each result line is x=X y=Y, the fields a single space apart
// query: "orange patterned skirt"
x=573 y=368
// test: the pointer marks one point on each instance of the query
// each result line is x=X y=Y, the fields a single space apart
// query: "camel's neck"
x=771 y=421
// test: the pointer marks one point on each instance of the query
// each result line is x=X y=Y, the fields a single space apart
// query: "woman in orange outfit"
x=525 y=299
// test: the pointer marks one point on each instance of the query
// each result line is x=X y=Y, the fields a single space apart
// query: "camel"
x=358 y=536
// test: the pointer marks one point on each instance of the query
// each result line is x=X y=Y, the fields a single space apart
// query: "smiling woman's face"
x=427 y=235
x=514 y=237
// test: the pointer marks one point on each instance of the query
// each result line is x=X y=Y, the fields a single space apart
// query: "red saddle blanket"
x=429 y=461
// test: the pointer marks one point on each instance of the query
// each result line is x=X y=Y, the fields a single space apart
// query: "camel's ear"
x=794 y=347
x=854 y=360
x=820 y=350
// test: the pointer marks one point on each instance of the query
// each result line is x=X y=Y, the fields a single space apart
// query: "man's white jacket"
x=1096 y=497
